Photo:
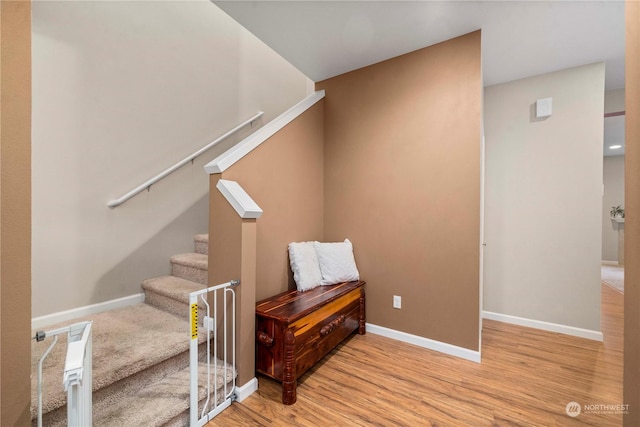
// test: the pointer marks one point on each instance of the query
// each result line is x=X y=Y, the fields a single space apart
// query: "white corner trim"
x=244 y=147
x=239 y=199
x=442 y=347
x=87 y=310
x=545 y=326
x=246 y=390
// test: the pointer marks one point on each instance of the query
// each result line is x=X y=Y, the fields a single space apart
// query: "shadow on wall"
x=151 y=259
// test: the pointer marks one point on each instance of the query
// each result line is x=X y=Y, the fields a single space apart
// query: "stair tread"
x=168 y=396
x=139 y=350
x=191 y=259
x=125 y=341
x=202 y=243
x=172 y=287
x=202 y=237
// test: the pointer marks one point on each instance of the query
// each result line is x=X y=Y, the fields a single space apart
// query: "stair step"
x=170 y=293
x=168 y=397
x=132 y=348
x=202 y=243
x=191 y=266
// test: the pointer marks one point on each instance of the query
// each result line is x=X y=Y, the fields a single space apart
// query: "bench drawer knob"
x=327 y=329
x=264 y=339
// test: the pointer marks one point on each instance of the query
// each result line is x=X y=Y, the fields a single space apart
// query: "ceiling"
x=519 y=38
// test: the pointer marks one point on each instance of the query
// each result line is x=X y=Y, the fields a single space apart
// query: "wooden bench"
x=294 y=330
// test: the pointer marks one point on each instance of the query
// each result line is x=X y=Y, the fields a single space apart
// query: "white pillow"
x=304 y=264
x=336 y=262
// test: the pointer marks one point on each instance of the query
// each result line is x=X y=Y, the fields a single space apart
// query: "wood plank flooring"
x=526 y=378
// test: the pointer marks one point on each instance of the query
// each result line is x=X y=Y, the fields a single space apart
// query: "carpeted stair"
x=140 y=356
x=189 y=273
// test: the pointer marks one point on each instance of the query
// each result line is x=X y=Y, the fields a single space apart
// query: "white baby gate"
x=77 y=376
x=215 y=401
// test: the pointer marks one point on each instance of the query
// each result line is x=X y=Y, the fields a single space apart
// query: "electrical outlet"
x=397 y=301
x=208 y=323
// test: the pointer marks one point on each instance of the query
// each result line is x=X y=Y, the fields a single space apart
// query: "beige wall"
x=15 y=212
x=402 y=181
x=543 y=190
x=123 y=90
x=613 y=176
x=632 y=221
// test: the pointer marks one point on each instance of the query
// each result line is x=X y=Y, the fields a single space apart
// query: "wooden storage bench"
x=294 y=330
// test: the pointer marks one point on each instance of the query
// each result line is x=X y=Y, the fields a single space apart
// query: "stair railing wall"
x=271 y=176
x=147 y=184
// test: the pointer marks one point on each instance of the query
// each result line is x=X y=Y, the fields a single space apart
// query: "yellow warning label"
x=194 y=321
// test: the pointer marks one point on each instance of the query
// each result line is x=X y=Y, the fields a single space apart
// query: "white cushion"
x=337 y=263
x=304 y=264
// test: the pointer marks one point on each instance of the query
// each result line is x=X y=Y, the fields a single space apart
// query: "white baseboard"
x=442 y=347
x=242 y=392
x=545 y=326
x=609 y=262
x=87 y=310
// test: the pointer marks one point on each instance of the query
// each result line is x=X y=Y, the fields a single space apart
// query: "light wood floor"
x=526 y=378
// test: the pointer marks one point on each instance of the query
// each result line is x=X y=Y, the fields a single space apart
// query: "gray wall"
x=121 y=91
x=544 y=198
x=613 y=173
x=613 y=178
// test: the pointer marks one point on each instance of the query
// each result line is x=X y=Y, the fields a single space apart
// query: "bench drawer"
x=323 y=331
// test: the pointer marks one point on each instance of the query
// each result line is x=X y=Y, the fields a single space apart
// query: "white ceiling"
x=519 y=38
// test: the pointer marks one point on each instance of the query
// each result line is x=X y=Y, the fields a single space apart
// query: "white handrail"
x=244 y=147
x=147 y=184
x=241 y=202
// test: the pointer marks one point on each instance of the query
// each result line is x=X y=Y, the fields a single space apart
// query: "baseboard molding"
x=545 y=326
x=603 y=262
x=87 y=310
x=439 y=346
x=246 y=390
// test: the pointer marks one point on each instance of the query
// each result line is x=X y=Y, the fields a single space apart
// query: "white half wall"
x=543 y=217
x=121 y=91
